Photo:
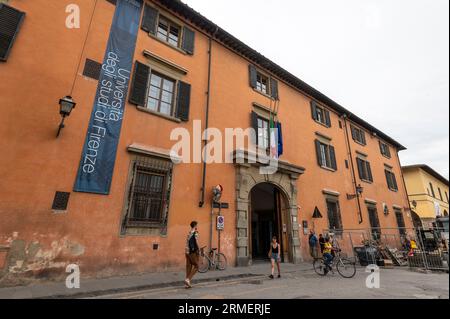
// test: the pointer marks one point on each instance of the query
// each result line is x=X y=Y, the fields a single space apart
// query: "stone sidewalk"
x=95 y=287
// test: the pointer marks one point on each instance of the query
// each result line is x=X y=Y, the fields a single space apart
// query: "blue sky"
x=387 y=61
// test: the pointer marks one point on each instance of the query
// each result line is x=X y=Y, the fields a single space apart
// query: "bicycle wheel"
x=203 y=264
x=346 y=268
x=221 y=261
x=319 y=266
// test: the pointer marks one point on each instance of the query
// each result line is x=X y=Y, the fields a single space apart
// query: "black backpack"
x=193 y=244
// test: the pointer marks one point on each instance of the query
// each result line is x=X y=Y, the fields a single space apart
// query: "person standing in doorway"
x=313 y=242
x=321 y=243
x=274 y=255
x=192 y=254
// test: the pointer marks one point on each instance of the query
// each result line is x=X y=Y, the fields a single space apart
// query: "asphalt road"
x=305 y=284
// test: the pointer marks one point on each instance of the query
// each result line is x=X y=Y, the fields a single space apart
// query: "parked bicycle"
x=344 y=266
x=211 y=260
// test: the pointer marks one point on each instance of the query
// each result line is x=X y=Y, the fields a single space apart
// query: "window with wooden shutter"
x=10 y=22
x=358 y=135
x=253 y=76
x=274 y=88
x=326 y=155
x=391 y=180
x=184 y=100
x=364 y=170
x=149 y=20
x=188 y=40
x=138 y=95
x=254 y=120
x=320 y=114
x=384 y=149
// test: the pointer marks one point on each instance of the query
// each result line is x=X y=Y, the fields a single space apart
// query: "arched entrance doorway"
x=249 y=175
x=268 y=218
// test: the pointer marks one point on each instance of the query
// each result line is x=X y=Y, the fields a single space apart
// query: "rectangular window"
x=391 y=180
x=440 y=194
x=446 y=196
x=326 y=155
x=334 y=216
x=384 y=149
x=432 y=191
x=320 y=114
x=149 y=193
x=364 y=170
x=168 y=32
x=262 y=83
x=374 y=222
x=400 y=222
x=263 y=133
x=358 y=135
x=161 y=94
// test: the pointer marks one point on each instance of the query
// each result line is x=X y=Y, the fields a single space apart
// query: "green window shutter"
x=327 y=118
x=10 y=22
x=394 y=182
x=333 y=158
x=369 y=172
x=188 y=40
x=319 y=157
x=138 y=94
x=149 y=19
x=314 y=110
x=353 y=133
x=274 y=88
x=388 y=179
x=363 y=137
x=183 y=101
x=253 y=75
x=254 y=120
x=388 y=151
x=359 y=163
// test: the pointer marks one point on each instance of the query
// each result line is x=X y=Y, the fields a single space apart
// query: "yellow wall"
x=418 y=185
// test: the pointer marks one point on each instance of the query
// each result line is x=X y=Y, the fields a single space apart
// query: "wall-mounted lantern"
x=359 y=191
x=66 y=105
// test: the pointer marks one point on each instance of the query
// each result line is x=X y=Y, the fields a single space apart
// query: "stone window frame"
x=153 y=162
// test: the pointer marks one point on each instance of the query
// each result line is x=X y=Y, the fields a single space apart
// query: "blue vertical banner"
x=100 y=148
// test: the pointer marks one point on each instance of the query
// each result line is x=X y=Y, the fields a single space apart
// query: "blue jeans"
x=328 y=258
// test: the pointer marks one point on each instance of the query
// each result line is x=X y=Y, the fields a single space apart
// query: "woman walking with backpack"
x=192 y=254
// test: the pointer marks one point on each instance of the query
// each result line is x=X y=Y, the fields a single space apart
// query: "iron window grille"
x=334 y=217
x=374 y=223
x=400 y=222
x=149 y=193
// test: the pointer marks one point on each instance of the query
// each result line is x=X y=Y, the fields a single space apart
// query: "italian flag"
x=273 y=138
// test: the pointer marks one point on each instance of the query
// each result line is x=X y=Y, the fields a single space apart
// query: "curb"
x=100 y=292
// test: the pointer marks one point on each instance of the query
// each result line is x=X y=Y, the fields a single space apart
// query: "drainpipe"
x=205 y=142
x=404 y=186
x=352 y=168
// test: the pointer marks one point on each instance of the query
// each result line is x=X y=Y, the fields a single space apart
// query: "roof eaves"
x=237 y=45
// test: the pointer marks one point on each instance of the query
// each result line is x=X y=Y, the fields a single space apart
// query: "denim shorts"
x=275 y=257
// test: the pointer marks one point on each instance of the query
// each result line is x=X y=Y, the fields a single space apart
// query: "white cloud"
x=387 y=61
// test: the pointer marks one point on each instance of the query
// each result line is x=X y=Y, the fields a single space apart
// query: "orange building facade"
x=187 y=74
